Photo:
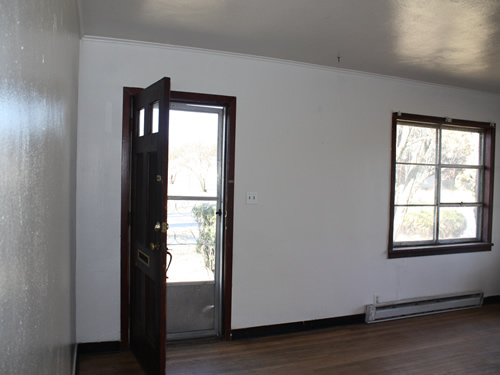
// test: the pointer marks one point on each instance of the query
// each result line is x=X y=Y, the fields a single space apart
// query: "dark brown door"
x=148 y=222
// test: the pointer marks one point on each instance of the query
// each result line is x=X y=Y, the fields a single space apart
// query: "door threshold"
x=191 y=335
x=194 y=341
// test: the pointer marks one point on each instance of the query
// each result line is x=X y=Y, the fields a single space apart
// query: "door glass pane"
x=192 y=164
x=459 y=185
x=141 y=122
x=156 y=117
x=457 y=222
x=413 y=224
x=191 y=240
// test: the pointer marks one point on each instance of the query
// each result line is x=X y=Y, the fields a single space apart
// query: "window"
x=441 y=186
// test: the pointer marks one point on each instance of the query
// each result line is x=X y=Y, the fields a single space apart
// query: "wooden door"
x=149 y=225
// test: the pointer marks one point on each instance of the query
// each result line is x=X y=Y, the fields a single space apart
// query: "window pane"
x=459 y=185
x=156 y=117
x=413 y=224
x=457 y=222
x=415 y=184
x=191 y=239
x=416 y=145
x=460 y=147
x=141 y=122
x=192 y=154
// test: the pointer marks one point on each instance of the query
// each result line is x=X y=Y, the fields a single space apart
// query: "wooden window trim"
x=487 y=212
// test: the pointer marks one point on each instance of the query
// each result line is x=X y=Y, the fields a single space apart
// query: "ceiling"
x=450 y=42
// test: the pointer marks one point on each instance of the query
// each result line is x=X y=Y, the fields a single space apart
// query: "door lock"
x=157 y=226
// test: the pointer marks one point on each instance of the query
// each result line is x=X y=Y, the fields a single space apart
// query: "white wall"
x=38 y=125
x=315 y=144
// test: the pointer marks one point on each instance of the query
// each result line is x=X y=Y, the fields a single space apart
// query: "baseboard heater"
x=421 y=306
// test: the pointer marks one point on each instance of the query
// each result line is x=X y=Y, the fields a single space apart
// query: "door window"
x=193 y=192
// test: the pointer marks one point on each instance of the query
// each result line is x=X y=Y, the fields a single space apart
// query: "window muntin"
x=440 y=174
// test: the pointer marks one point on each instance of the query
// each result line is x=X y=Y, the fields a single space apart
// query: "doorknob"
x=157 y=226
x=154 y=246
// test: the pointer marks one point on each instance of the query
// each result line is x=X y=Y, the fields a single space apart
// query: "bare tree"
x=415 y=147
x=199 y=161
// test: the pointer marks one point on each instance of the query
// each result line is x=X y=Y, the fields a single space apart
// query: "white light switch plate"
x=251 y=197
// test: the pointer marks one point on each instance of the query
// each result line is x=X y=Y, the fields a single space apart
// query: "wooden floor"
x=461 y=342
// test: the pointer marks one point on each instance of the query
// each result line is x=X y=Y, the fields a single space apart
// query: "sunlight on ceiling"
x=451 y=34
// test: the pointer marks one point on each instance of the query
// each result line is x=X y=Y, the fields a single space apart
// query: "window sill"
x=417 y=251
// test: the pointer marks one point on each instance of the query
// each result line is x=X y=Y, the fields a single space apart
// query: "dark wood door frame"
x=229 y=103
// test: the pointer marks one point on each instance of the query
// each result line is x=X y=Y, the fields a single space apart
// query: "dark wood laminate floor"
x=461 y=342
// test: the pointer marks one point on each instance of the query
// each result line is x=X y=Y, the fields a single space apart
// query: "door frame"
x=229 y=102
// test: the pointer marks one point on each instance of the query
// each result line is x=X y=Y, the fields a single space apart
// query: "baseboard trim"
x=98 y=347
x=491 y=300
x=279 y=329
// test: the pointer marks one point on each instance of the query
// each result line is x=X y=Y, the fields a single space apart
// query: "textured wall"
x=39 y=45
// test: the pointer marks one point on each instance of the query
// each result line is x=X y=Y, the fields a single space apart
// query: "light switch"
x=251 y=197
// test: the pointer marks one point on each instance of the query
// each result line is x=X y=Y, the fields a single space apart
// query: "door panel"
x=198 y=310
x=148 y=226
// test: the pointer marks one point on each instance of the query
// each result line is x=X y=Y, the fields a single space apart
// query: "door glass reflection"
x=141 y=122
x=155 y=117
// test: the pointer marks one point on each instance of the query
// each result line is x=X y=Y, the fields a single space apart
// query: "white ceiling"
x=451 y=42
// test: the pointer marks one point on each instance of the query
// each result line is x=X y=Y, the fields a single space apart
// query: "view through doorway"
x=195 y=204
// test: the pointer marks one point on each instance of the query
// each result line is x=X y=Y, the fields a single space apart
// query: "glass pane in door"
x=191 y=240
x=192 y=153
x=194 y=177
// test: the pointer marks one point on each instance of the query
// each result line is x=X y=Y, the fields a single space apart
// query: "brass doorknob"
x=154 y=246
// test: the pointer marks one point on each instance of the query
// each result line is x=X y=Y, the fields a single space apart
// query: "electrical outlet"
x=251 y=197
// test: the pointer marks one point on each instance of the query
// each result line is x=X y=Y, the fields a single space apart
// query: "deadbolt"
x=157 y=226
